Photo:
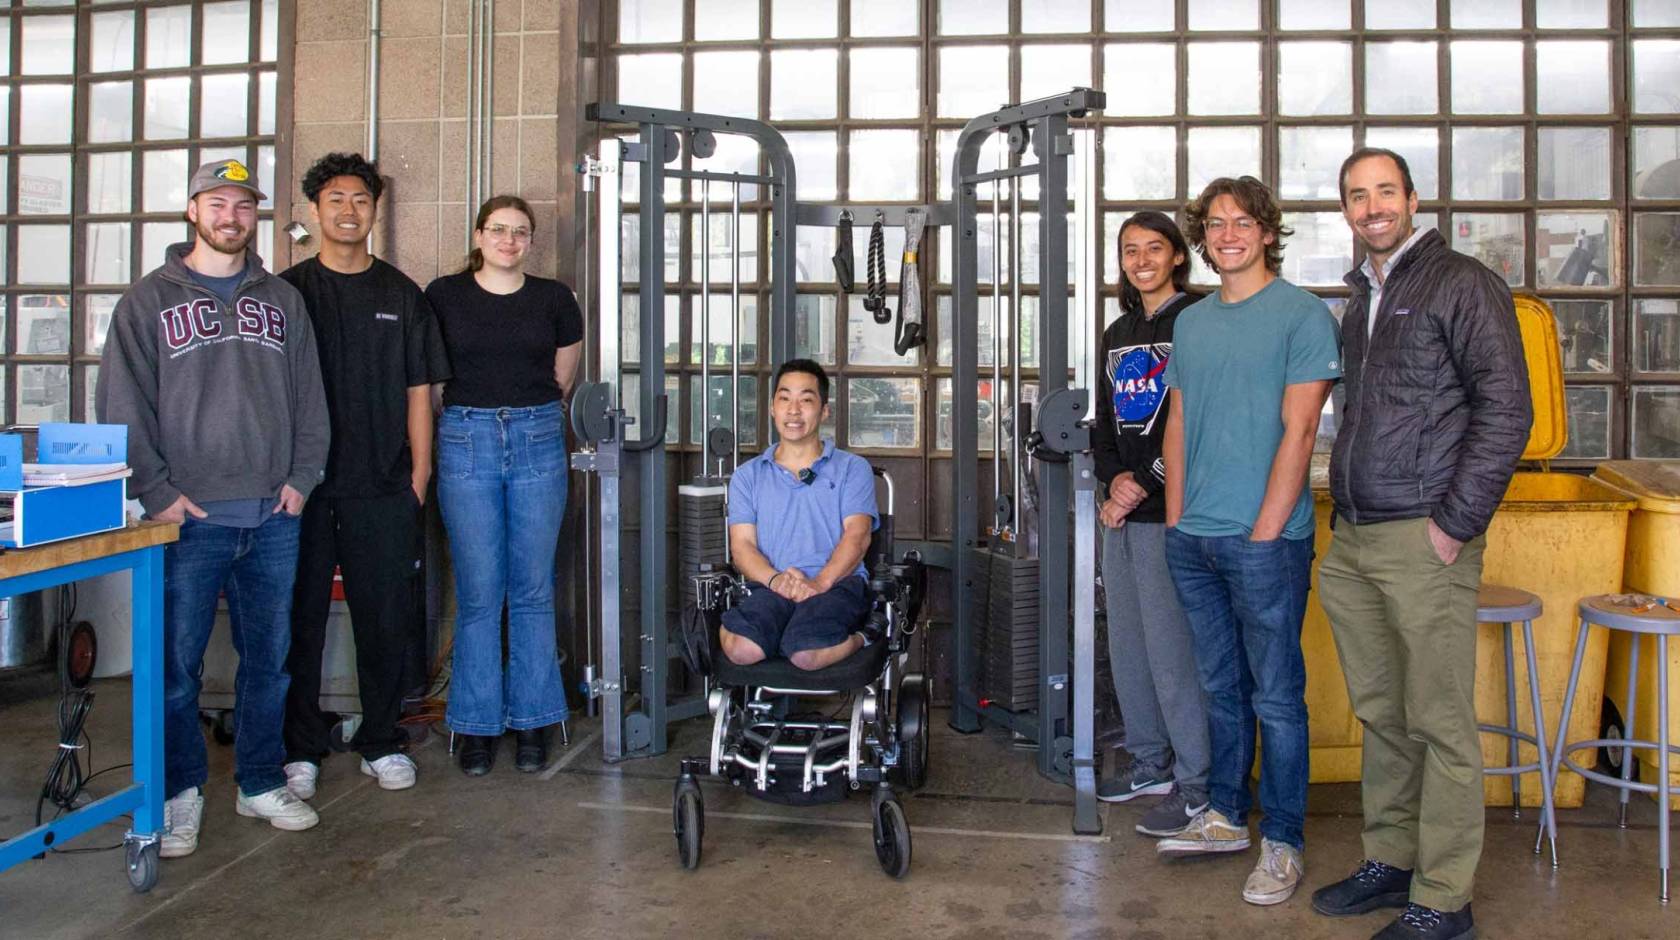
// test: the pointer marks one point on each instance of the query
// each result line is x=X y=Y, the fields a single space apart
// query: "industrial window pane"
x=883 y=165
x=1487 y=163
x=946 y=140
x=1140 y=78
x=1221 y=151
x=43 y=184
x=1494 y=239
x=726 y=83
x=49 y=45
x=717 y=349
x=630 y=339
x=1656 y=335
x=631 y=247
x=107 y=249
x=885 y=82
x=156 y=237
x=90 y=385
x=110 y=112
x=1224 y=14
x=884 y=412
x=816 y=155
x=1575 y=163
x=1053 y=70
x=168 y=37
x=1054 y=16
x=1309 y=159
x=720 y=409
x=813 y=249
x=1656 y=76
x=111 y=46
x=1656 y=163
x=1224 y=77
x=804 y=19
x=1656 y=13
x=734 y=154
x=1574 y=77
x=803 y=84
x=1656 y=249
x=943 y=415
x=1421 y=146
x=631 y=400
x=43 y=254
x=1029 y=250
x=1313 y=14
x=972 y=80
x=96 y=322
x=166 y=107
x=1399 y=14
x=43 y=324
x=5 y=53
x=1140 y=162
x=1487 y=77
x=720 y=245
x=1656 y=422
x=885 y=18
x=1584 y=335
x=1570 y=14
x=109 y=182
x=5 y=115
x=44 y=114
x=984 y=347
x=1138 y=16
x=653 y=79
x=270 y=48
x=1486 y=14
x=1315 y=78
x=1576 y=249
x=813 y=327
x=869 y=343
x=983 y=241
x=1111 y=223
x=265 y=103
x=163 y=175
x=725 y=19
x=973 y=17
x=43 y=393
x=1588 y=408
x=1320 y=252
x=641 y=21
x=222 y=105
x=226 y=33
x=231 y=152
x=1400 y=78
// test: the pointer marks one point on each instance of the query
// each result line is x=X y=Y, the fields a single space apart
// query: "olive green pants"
x=1405 y=629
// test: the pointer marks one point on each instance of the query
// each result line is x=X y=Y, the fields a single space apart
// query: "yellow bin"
x=1652 y=566
x=1557 y=535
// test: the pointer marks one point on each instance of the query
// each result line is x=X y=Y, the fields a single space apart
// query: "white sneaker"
x=300 y=778
x=393 y=771
x=182 y=815
x=1276 y=874
x=282 y=809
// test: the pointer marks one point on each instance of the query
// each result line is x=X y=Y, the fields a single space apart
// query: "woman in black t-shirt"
x=513 y=342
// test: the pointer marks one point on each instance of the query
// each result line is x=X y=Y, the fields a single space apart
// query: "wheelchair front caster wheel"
x=142 y=863
x=688 y=817
x=221 y=727
x=892 y=838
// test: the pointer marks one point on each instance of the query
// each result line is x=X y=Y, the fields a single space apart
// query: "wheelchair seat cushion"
x=853 y=672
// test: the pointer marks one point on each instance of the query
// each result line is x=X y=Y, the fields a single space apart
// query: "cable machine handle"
x=658 y=436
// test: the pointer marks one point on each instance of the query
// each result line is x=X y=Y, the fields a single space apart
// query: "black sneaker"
x=477 y=753
x=1136 y=781
x=1372 y=885
x=1426 y=923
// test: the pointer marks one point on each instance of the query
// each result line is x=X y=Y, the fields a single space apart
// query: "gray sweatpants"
x=1154 y=662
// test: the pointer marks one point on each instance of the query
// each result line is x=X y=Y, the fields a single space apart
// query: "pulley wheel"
x=589 y=411
x=78 y=655
x=702 y=143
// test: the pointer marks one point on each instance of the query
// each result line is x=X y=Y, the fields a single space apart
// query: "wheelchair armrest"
x=717 y=587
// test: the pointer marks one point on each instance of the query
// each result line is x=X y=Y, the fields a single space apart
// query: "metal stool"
x=1639 y=616
x=1506 y=606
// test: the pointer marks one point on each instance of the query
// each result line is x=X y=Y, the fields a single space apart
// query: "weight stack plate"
x=702 y=533
x=1009 y=662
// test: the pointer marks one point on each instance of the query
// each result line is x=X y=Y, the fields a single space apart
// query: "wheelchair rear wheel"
x=688 y=816
x=912 y=732
x=892 y=838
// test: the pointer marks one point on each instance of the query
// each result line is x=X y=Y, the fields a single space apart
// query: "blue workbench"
x=138 y=549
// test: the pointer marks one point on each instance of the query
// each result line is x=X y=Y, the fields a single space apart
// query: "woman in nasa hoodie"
x=1148 y=637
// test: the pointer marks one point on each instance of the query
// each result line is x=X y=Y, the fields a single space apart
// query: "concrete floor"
x=584 y=849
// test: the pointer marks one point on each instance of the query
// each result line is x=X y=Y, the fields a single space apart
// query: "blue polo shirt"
x=800 y=524
x=1230 y=364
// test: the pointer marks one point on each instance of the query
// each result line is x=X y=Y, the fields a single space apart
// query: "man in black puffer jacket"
x=1437 y=414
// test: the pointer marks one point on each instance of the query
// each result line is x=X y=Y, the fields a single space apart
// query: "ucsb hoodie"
x=220 y=402
x=1132 y=403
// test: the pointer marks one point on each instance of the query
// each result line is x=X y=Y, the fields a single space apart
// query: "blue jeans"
x=1245 y=601
x=255 y=568
x=502 y=489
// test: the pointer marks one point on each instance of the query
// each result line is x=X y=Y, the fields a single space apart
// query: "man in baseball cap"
x=224 y=173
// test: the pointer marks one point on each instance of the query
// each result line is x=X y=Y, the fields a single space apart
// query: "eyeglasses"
x=500 y=231
x=1244 y=225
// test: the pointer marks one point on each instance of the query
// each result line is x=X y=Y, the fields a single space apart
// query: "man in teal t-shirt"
x=1251 y=367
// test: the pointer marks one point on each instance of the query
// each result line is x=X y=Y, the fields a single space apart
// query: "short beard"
x=222 y=244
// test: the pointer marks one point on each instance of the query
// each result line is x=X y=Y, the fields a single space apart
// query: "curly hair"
x=1252 y=197
x=334 y=165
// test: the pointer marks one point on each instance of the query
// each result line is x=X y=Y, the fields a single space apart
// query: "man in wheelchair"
x=800 y=518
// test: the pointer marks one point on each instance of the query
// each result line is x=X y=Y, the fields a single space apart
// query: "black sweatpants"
x=376 y=541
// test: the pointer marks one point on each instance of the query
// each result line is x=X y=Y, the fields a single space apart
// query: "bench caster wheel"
x=892 y=838
x=142 y=862
x=688 y=817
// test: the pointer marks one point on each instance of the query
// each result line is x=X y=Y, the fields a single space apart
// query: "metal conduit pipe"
x=473 y=88
x=373 y=95
x=487 y=99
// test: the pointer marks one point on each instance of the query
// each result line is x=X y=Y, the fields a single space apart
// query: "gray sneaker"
x=1135 y=782
x=1170 y=816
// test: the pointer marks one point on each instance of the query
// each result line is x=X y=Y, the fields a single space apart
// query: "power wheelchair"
x=763 y=744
